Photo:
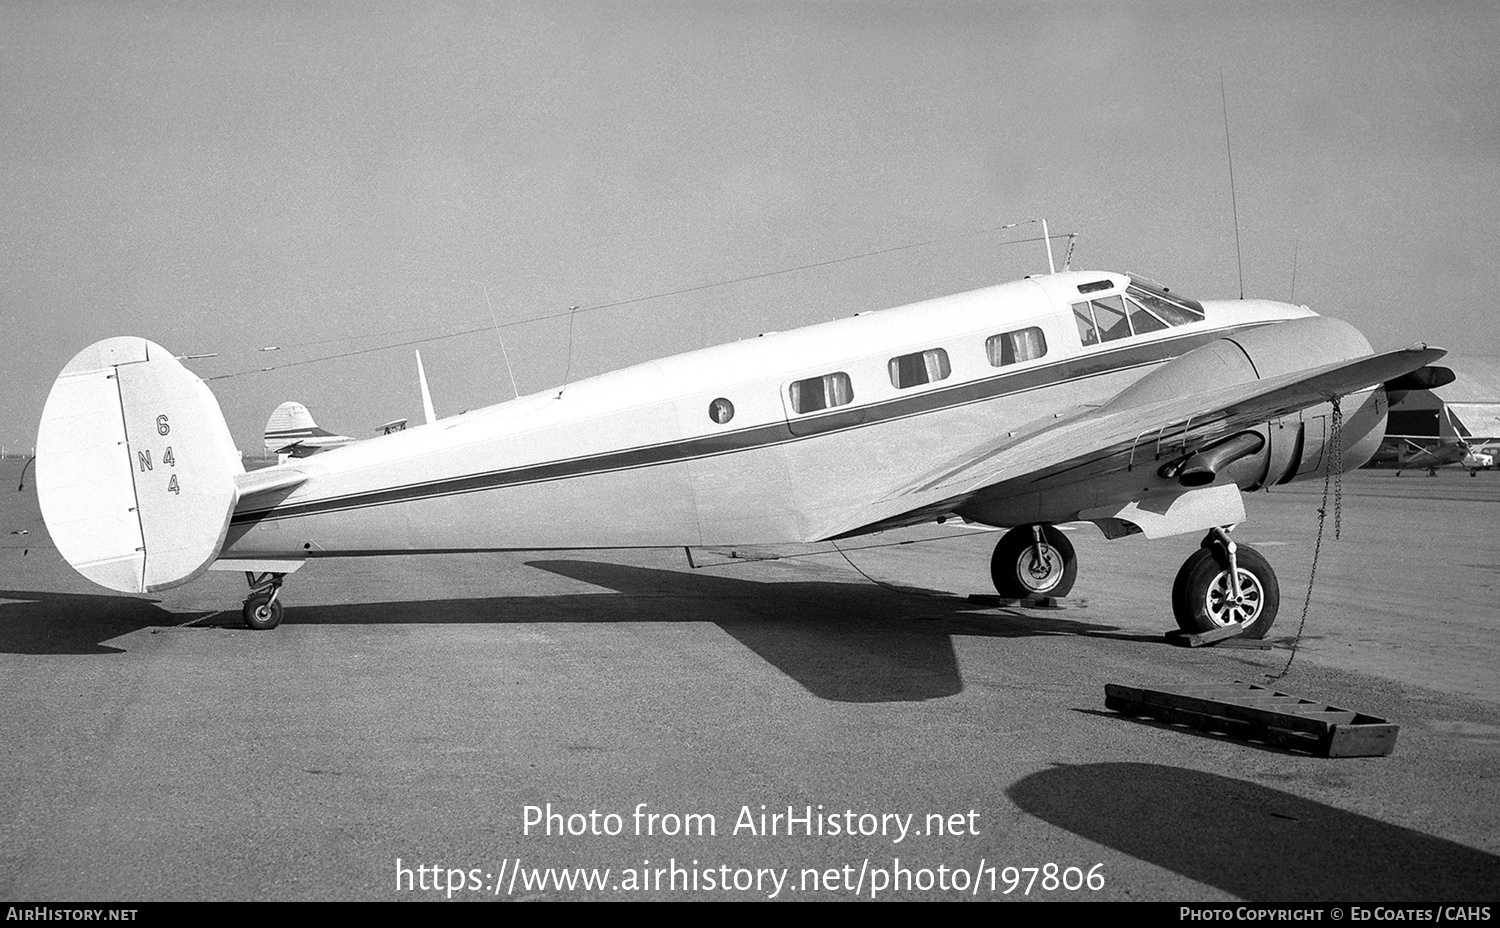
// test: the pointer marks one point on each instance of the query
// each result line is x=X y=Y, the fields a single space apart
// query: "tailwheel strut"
x=263 y=606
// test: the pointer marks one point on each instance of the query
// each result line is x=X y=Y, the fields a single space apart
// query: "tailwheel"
x=262 y=610
x=1034 y=560
x=1225 y=584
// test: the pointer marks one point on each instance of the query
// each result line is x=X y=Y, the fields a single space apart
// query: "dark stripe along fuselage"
x=842 y=420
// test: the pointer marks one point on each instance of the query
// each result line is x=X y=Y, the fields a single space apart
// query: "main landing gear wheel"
x=1034 y=560
x=262 y=610
x=1203 y=598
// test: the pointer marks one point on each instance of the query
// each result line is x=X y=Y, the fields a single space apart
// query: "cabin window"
x=817 y=393
x=1087 y=334
x=1109 y=316
x=1014 y=347
x=1101 y=320
x=911 y=370
x=721 y=410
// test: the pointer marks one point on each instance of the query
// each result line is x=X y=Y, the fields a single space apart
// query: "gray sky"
x=217 y=176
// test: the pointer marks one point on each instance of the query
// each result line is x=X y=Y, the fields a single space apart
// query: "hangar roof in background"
x=1477 y=380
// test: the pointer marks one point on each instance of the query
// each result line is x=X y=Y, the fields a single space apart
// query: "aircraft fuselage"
x=771 y=439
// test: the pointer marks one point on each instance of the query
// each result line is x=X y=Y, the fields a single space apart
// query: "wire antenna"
x=1233 y=202
x=572 y=312
x=422 y=340
x=503 y=353
x=1046 y=240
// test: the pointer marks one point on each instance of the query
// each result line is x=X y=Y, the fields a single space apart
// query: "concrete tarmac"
x=414 y=721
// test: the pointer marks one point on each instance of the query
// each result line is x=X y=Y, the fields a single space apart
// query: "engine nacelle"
x=1285 y=449
x=1156 y=477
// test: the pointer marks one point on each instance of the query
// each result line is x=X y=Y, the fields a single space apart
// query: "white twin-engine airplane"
x=1076 y=396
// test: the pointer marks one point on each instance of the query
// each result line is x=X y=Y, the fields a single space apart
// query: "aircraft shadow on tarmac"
x=1257 y=843
x=74 y=623
x=847 y=642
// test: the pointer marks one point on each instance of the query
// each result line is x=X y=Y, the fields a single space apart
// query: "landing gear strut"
x=263 y=607
x=1222 y=584
x=1034 y=560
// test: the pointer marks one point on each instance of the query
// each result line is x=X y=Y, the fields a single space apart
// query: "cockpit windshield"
x=1173 y=308
x=1144 y=307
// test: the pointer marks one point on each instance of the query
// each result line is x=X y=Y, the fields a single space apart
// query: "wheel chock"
x=1033 y=602
x=1225 y=637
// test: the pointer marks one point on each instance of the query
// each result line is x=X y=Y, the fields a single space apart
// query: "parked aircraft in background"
x=1411 y=454
x=1452 y=446
x=291 y=432
x=1076 y=396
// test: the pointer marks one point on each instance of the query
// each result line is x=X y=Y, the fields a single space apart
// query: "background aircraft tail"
x=289 y=424
x=292 y=431
x=135 y=467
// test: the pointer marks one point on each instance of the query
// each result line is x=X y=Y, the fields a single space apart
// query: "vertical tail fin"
x=289 y=424
x=135 y=467
x=291 y=431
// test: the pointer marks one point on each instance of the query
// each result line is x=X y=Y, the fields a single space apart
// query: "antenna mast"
x=496 y=324
x=1295 y=245
x=1233 y=203
x=1046 y=239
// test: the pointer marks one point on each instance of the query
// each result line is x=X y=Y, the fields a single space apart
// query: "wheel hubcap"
x=1225 y=608
x=1039 y=574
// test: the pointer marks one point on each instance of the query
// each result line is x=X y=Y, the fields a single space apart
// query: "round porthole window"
x=721 y=410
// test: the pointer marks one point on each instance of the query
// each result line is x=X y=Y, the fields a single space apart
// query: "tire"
x=1016 y=572
x=260 y=613
x=1202 y=584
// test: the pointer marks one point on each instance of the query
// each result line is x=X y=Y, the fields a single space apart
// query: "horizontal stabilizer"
x=269 y=480
x=135 y=468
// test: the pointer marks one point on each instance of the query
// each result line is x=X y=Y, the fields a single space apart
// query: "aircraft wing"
x=1090 y=436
